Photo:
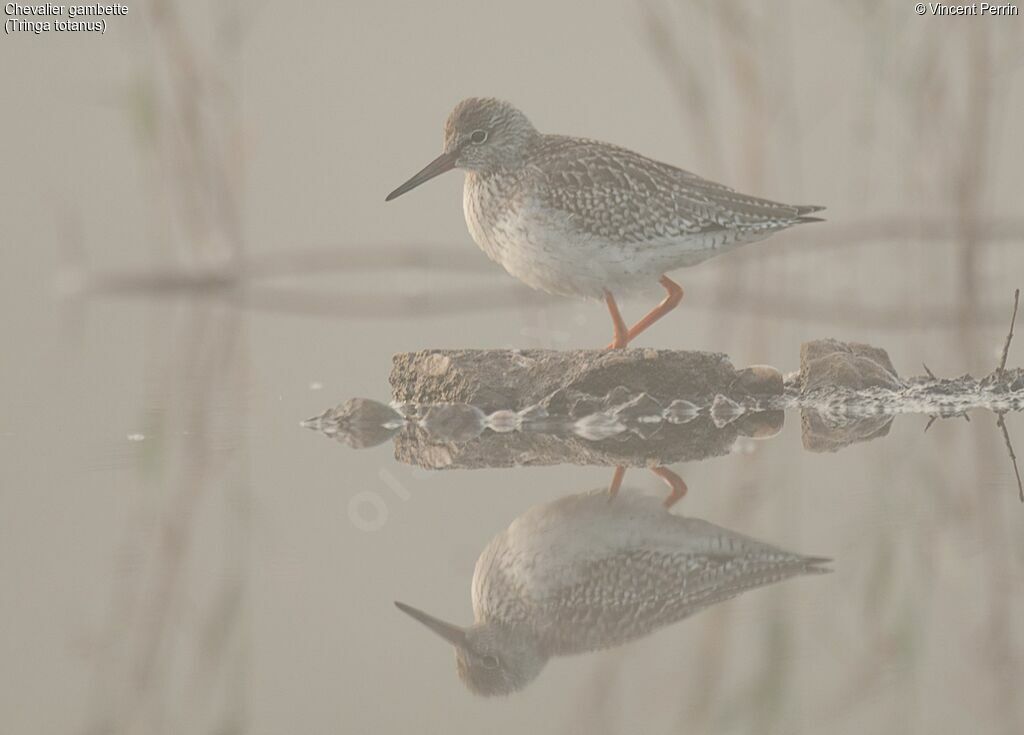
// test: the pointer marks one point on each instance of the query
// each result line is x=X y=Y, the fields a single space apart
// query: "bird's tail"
x=805 y=209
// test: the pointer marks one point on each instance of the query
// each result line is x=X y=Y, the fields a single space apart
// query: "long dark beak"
x=451 y=633
x=444 y=162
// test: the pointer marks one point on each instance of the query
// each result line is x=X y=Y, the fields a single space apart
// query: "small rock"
x=831 y=364
x=759 y=380
x=642 y=409
x=503 y=421
x=598 y=426
x=821 y=347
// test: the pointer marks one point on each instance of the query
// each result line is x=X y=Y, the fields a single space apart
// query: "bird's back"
x=619 y=195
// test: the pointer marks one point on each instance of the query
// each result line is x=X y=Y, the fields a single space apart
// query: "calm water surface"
x=181 y=556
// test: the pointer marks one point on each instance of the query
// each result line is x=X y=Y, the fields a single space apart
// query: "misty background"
x=197 y=255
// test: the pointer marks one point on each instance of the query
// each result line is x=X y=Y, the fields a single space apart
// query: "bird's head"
x=491 y=659
x=481 y=134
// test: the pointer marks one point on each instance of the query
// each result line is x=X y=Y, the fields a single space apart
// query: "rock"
x=821 y=347
x=828 y=364
x=758 y=380
x=515 y=379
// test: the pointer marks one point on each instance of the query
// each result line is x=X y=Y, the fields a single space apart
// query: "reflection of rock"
x=665 y=443
x=359 y=422
x=763 y=425
x=456 y=421
x=637 y=433
x=830 y=433
x=828 y=364
x=514 y=379
x=588 y=572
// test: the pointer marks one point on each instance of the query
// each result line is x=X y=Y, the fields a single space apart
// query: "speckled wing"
x=618 y=195
x=584 y=573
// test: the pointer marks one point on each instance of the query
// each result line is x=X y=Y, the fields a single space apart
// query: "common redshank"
x=583 y=218
x=584 y=573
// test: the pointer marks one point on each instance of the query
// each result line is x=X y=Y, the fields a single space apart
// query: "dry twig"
x=1009 y=336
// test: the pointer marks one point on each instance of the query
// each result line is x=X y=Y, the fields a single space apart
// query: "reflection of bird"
x=582 y=218
x=587 y=572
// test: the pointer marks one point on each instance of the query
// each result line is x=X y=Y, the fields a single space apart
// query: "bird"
x=582 y=218
x=591 y=571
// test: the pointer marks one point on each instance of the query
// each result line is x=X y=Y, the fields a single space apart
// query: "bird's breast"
x=489 y=207
x=532 y=243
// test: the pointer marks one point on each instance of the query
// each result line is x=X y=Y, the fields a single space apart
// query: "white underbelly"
x=545 y=254
x=543 y=250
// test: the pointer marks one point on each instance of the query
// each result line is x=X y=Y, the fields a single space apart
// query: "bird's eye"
x=478 y=136
x=489 y=661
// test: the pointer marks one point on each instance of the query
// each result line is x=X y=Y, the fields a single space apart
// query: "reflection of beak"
x=451 y=633
x=444 y=162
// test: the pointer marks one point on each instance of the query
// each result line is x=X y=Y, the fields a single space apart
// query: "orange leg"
x=674 y=481
x=621 y=332
x=671 y=301
x=613 y=489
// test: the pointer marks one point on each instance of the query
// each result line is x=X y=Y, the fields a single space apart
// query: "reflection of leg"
x=674 y=481
x=621 y=338
x=613 y=489
x=671 y=301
